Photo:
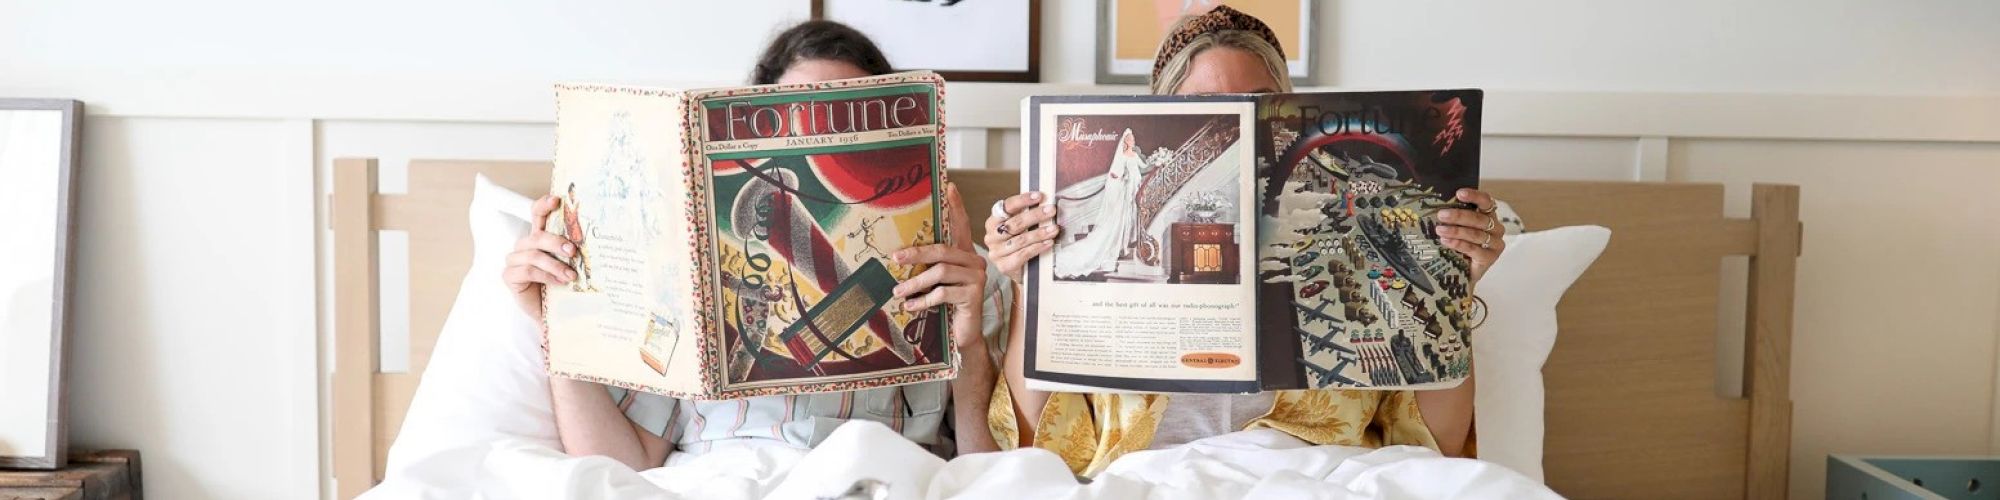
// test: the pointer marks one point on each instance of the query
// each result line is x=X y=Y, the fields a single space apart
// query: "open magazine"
x=1243 y=243
x=734 y=242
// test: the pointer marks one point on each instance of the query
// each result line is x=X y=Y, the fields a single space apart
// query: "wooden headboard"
x=1632 y=409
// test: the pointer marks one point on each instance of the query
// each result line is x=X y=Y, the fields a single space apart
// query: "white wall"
x=193 y=318
x=213 y=121
x=1865 y=47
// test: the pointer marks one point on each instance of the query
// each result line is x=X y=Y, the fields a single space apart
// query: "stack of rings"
x=1000 y=212
x=1491 y=221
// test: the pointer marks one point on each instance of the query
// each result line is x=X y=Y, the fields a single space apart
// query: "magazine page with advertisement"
x=1148 y=287
x=1243 y=243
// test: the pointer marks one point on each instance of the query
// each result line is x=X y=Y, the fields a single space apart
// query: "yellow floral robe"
x=1089 y=431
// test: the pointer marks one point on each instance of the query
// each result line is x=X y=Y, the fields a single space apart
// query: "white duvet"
x=1250 y=464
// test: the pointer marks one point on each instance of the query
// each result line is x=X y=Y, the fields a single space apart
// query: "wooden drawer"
x=102 y=475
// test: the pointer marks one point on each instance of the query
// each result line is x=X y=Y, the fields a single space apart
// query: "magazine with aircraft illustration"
x=734 y=242
x=1243 y=243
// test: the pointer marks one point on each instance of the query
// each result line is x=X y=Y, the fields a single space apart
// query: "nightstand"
x=101 y=475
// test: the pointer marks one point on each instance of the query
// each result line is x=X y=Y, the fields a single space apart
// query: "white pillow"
x=1521 y=291
x=485 y=381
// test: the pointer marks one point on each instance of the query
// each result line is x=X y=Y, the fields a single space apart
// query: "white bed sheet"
x=1252 y=464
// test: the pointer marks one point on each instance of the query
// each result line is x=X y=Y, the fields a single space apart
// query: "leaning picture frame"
x=1129 y=32
x=39 y=149
x=961 y=40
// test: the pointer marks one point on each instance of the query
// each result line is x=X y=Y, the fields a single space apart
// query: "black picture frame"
x=57 y=435
x=1032 y=75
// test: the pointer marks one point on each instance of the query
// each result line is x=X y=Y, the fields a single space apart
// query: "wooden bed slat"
x=1632 y=409
x=392 y=401
x=356 y=313
x=1767 y=349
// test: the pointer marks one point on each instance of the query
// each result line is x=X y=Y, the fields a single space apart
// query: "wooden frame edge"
x=1767 y=339
x=356 y=318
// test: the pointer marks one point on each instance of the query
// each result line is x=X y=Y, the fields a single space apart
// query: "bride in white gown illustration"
x=1105 y=205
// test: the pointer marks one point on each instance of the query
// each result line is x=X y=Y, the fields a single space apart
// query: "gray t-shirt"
x=1194 y=416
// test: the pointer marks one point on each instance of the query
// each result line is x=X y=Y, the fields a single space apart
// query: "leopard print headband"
x=1222 y=18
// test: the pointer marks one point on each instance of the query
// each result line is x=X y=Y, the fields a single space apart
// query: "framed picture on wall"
x=963 y=40
x=38 y=153
x=1129 y=31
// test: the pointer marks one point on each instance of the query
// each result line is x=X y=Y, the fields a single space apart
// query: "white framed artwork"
x=963 y=40
x=38 y=153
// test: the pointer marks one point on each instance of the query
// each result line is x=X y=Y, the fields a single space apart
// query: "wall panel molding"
x=221 y=94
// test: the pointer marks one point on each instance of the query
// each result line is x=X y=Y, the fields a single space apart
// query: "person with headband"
x=1222 y=51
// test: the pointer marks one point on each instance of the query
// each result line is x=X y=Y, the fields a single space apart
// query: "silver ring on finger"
x=1000 y=209
x=1486 y=244
x=1489 y=210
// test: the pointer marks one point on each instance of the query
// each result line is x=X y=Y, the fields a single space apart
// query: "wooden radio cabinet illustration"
x=1201 y=253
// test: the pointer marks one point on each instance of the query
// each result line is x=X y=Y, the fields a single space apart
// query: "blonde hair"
x=1175 y=71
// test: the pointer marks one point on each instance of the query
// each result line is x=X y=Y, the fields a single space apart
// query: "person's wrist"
x=971 y=353
x=970 y=348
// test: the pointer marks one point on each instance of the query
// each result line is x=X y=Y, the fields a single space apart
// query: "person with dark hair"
x=818 y=50
x=645 y=430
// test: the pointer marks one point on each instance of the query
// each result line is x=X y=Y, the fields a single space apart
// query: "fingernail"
x=909 y=305
x=1037 y=195
x=569 y=249
x=1446 y=215
x=1049 y=209
x=1050 y=230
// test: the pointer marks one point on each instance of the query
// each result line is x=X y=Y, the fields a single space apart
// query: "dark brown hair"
x=818 y=39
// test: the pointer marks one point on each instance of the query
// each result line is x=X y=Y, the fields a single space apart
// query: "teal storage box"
x=1852 y=477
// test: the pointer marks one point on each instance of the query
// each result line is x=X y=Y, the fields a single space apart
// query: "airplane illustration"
x=1328 y=376
x=1323 y=343
x=1318 y=313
